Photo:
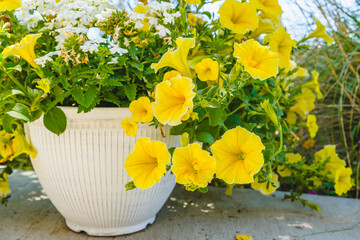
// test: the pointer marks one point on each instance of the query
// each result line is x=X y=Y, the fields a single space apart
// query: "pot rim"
x=98 y=113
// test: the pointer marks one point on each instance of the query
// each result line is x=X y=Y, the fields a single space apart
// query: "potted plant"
x=104 y=93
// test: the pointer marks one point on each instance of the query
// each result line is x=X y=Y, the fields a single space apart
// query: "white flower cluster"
x=67 y=16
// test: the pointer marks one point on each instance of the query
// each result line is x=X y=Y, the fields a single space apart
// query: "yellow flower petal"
x=281 y=43
x=141 y=110
x=304 y=102
x=309 y=143
x=291 y=117
x=291 y=158
x=258 y=60
x=314 y=84
x=43 y=84
x=170 y=74
x=266 y=188
x=265 y=27
x=334 y=163
x=147 y=163
x=9 y=5
x=243 y=237
x=193 y=1
x=192 y=165
x=320 y=32
x=177 y=59
x=129 y=127
x=173 y=98
x=24 y=49
x=238 y=16
x=207 y=70
x=4 y=186
x=343 y=180
x=268 y=6
x=238 y=156
x=312 y=125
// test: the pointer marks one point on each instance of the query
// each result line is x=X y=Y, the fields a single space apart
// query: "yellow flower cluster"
x=237 y=157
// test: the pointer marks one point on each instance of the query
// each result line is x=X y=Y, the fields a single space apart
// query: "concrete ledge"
x=30 y=215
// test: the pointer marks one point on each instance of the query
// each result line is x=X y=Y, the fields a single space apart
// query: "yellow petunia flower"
x=291 y=117
x=13 y=145
x=173 y=98
x=191 y=19
x=141 y=8
x=207 y=70
x=177 y=59
x=141 y=110
x=193 y=166
x=170 y=74
x=258 y=60
x=275 y=18
x=291 y=158
x=343 y=181
x=130 y=127
x=266 y=188
x=335 y=163
x=304 y=103
x=309 y=143
x=147 y=163
x=300 y=73
x=312 y=125
x=268 y=6
x=4 y=186
x=184 y=139
x=24 y=49
x=265 y=27
x=244 y=237
x=44 y=85
x=238 y=16
x=281 y=42
x=193 y=1
x=320 y=32
x=187 y=115
x=238 y=156
x=314 y=84
x=8 y=5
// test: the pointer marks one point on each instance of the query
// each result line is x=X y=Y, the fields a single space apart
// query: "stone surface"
x=30 y=215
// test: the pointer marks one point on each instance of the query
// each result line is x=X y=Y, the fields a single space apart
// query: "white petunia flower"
x=114 y=48
x=162 y=31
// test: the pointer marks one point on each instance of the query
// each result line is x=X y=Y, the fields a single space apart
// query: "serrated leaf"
x=55 y=120
x=20 y=111
x=204 y=137
x=130 y=91
x=90 y=96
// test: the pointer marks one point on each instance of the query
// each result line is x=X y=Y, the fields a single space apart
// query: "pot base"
x=110 y=231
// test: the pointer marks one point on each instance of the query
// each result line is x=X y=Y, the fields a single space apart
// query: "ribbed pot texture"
x=82 y=172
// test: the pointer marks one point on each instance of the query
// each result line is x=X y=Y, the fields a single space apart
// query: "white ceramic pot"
x=82 y=172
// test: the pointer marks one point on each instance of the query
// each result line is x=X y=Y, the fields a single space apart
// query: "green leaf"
x=7 y=122
x=8 y=93
x=90 y=96
x=215 y=116
x=204 y=137
x=20 y=111
x=130 y=186
x=203 y=190
x=130 y=91
x=85 y=99
x=250 y=126
x=137 y=65
x=55 y=120
x=179 y=129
